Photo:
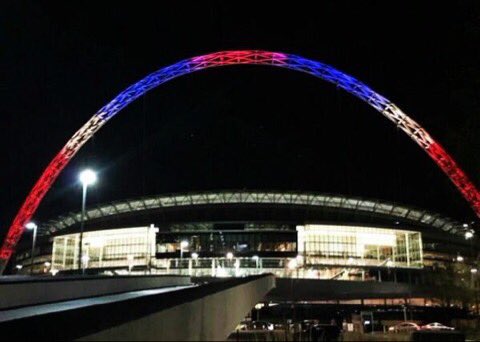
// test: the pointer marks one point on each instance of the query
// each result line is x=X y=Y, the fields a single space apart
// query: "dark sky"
x=238 y=127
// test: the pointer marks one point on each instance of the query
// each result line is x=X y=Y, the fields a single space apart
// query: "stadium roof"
x=368 y=206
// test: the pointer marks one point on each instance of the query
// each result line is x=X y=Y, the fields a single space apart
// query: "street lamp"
x=32 y=226
x=87 y=177
x=229 y=255
x=292 y=265
x=194 y=255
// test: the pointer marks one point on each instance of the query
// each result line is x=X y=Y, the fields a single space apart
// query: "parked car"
x=436 y=326
x=307 y=323
x=404 y=327
x=242 y=325
x=260 y=325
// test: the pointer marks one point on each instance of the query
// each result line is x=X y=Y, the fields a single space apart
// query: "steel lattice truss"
x=252 y=57
x=391 y=210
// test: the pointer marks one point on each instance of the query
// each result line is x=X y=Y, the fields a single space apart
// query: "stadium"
x=327 y=247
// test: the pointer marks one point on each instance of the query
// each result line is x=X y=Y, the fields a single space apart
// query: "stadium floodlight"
x=87 y=177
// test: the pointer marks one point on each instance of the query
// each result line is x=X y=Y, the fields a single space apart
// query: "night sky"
x=243 y=127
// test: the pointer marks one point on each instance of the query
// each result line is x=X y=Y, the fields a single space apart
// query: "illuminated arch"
x=320 y=70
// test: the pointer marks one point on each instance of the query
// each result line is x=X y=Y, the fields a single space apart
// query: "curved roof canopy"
x=365 y=206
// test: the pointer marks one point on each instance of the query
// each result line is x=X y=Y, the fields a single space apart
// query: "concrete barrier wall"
x=316 y=289
x=23 y=292
x=209 y=318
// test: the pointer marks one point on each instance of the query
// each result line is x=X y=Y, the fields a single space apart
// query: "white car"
x=436 y=326
x=404 y=327
x=242 y=326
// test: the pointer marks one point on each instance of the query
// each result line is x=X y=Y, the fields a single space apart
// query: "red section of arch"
x=457 y=176
x=31 y=203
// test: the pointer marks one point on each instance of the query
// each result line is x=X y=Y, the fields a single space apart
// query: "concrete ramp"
x=20 y=291
x=202 y=312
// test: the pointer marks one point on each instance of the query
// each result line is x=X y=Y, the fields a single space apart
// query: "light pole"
x=473 y=273
x=87 y=177
x=32 y=226
x=292 y=265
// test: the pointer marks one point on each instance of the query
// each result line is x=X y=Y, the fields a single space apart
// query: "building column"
x=100 y=256
x=407 y=247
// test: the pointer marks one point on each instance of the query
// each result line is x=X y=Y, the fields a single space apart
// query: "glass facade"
x=359 y=246
x=220 y=242
x=105 y=249
x=337 y=252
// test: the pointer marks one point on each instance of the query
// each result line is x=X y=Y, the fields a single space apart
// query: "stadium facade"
x=301 y=236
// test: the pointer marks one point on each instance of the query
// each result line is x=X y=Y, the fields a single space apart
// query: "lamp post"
x=87 y=177
x=292 y=265
x=32 y=226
